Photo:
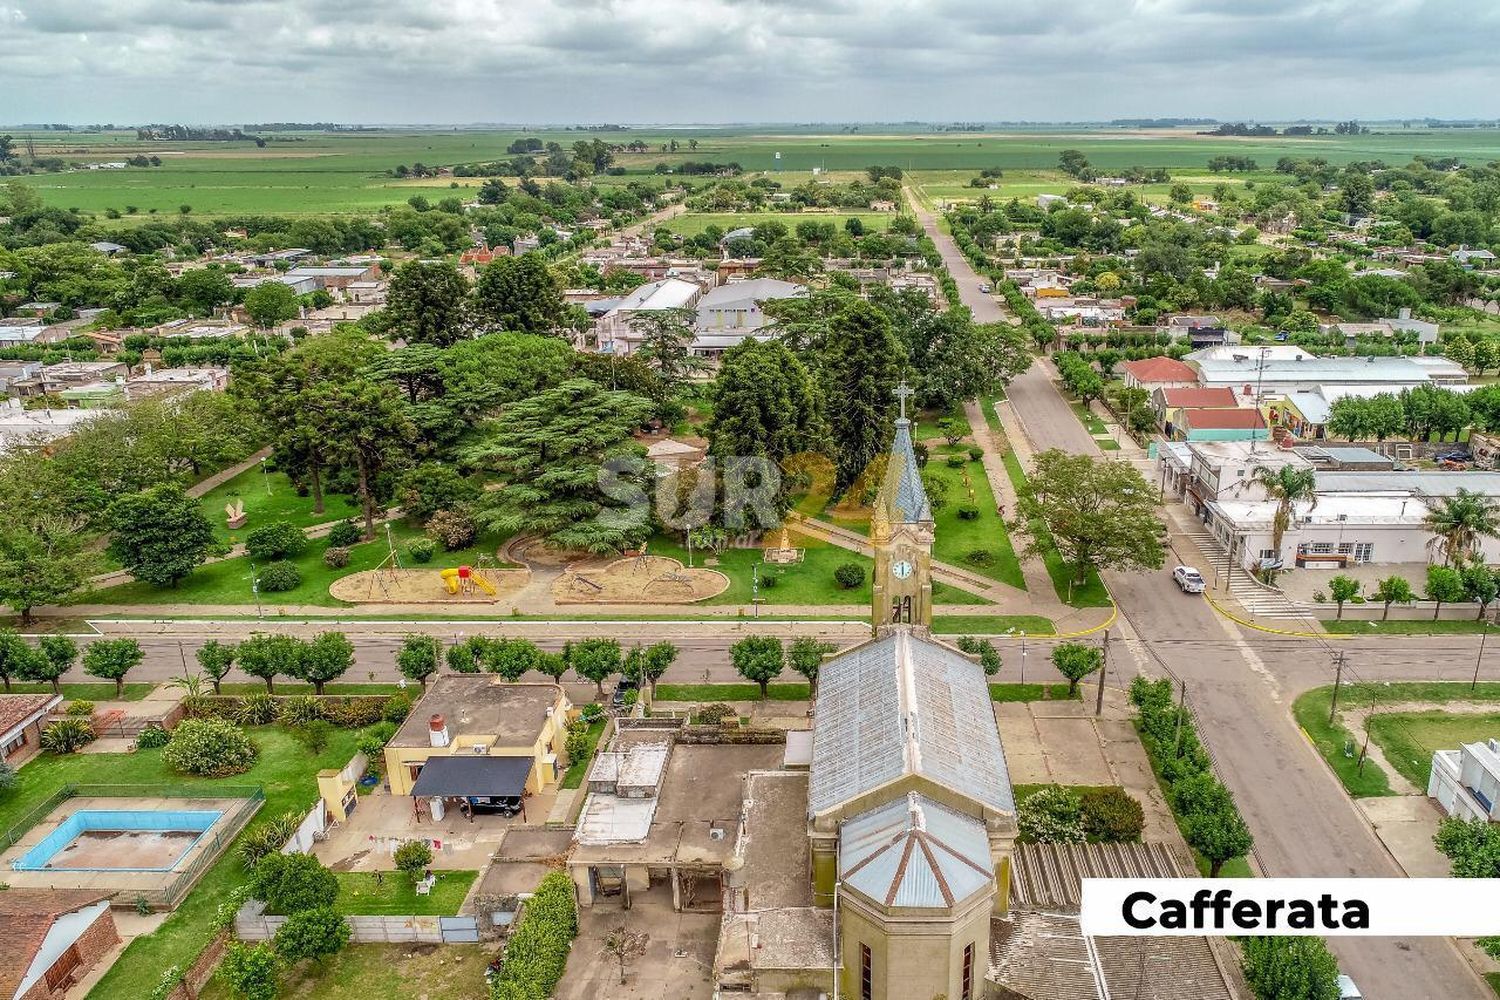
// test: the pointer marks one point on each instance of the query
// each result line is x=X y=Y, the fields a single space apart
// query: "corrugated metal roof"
x=913 y=851
x=1050 y=876
x=903 y=704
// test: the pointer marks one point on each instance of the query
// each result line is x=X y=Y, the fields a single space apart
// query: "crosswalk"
x=1256 y=598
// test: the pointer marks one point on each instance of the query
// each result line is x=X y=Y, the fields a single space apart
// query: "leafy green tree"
x=1290 y=968
x=758 y=658
x=1100 y=514
x=160 y=535
x=111 y=660
x=645 y=665
x=520 y=294
x=1444 y=585
x=326 y=658
x=370 y=426
x=57 y=654
x=788 y=259
x=40 y=564
x=291 y=883
x=270 y=656
x=510 y=658
x=428 y=303
x=216 y=658
x=1220 y=835
x=251 y=971
x=1343 y=589
x=17 y=658
x=203 y=289
x=1460 y=523
x=270 y=303
x=317 y=934
x=666 y=340
x=1480 y=585
x=805 y=656
x=861 y=364
x=569 y=467
x=1075 y=661
x=413 y=857
x=1392 y=590
x=1472 y=846
x=595 y=660
x=418 y=658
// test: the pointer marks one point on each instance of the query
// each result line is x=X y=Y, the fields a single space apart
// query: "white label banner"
x=1329 y=907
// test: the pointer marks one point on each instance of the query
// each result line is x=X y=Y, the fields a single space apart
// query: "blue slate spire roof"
x=903 y=497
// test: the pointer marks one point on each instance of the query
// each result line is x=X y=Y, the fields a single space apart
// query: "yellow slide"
x=483 y=584
x=450 y=580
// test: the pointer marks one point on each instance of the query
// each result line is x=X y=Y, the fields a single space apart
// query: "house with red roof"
x=53 y=937
x=1168 y=401
x=21 y=719
x=1158 y=373
x=1239 y=424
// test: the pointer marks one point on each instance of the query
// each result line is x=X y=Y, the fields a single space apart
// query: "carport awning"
x=464 y=776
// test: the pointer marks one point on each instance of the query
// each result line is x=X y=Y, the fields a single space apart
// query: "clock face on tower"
x=901 y=570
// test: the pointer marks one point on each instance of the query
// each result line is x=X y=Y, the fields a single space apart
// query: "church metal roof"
x=902 y=705
x=913 y=851
x=903 y=496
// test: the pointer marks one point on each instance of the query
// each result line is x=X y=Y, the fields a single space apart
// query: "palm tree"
x=1459 y=523
x=1288 y=486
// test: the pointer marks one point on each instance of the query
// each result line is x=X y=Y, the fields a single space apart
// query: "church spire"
x=901 y=533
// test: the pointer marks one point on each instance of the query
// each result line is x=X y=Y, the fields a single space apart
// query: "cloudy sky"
x=539 y=61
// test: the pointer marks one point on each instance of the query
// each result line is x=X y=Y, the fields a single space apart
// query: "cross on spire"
x=902 y=391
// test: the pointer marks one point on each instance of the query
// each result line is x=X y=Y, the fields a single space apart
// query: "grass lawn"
x=578 y=769
x=1333 y=741
x=1089 y=420
x=992 y=624
x=286 y=772
x=1409 y=738
x=228 y=581
x=271 y=497
x=793 y=691
x=1493 y=978
x=369 y=971
x=1029 y=692
x=955 y=537
x=395 y=895
x=808 y=582
x=1462 y=626
x=1091 y=593
x=85 y=691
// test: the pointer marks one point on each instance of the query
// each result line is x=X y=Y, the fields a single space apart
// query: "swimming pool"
x=119 y=840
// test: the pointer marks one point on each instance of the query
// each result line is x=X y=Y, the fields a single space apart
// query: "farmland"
x=347 y=172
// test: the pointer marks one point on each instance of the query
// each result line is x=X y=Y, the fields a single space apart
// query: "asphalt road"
x=1240 y=685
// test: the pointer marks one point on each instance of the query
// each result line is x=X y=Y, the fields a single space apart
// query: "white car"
x=1188 y=580
x=1347 y=989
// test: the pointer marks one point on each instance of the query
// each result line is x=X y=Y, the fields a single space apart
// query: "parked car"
x=1347 y=989
x=1188 y=580
x=986 y=289
x=502 y=805
x=623 y=688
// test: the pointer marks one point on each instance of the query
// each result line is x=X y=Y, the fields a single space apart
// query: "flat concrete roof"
x=775 y=848
x=479 y=705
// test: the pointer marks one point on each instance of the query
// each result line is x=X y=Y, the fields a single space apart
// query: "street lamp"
x=266 y=476
x=1484 y=633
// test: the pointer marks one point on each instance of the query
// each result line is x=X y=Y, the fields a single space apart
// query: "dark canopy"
x=464 y=776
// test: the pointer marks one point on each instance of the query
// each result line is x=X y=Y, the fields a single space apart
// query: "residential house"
x=1085 y=311
x=19 y=331
x=1466 y=781
x=1167 y=400
x=333 y=276
x=11 y=371
x=1157 y=373
x=53 y=937
x=1219 y=424
x=53 y=379
x=1473 y=258
x=107 y=248
x=21 y=719
x=1226 y=469
x=167 y=381
x=23 y=428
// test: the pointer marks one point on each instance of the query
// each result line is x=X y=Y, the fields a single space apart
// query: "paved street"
x=1240 y=686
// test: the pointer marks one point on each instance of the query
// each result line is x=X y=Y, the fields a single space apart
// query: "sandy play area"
x=636 y=580
x=424 y=586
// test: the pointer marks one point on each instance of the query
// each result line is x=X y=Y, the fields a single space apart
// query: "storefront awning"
x=465 y=776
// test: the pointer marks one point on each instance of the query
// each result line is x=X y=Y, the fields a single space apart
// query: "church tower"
x=901 y=533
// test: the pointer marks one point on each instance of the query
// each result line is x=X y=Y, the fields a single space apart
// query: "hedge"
x=344 y=711
x=537 y=951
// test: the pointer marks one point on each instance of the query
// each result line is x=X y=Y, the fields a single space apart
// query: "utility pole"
x=1338 y=680
x=1474 y=684
x=1103 y=672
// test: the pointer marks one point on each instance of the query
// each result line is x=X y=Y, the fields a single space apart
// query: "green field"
x=1410 y=738
x=696 y=222
x=307 y=172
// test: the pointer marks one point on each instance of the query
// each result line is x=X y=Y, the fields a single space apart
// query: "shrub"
x=353 y=712
x=955 y=461
x=80 y=709
x=975 y=453
x=455 y=529
x=268 y=837
x=1111 y=815
x=769 y=580
x=67 y=736
x=969 y=644
x=256 y=709
x=7 y=777
x=849 y=575
x=153 y=737
x=314 y=735
x=979 y=557
x=343 y=535
x=537 y=950
x=209 y=748
x=397 y=708
x=421 y=549
x=577 y=745
x=335 y=557
x=251 y=972
x=413 y=857
x=1051 y=815
x=279 y=577
x=968 y=512
x=715 y=714
x=316 y=934
x=289 y=883
x=299 y=710
x=592 y=712
x=278 y=540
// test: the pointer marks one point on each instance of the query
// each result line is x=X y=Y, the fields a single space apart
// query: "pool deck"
x=128 y=884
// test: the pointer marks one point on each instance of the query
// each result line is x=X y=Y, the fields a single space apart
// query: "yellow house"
x=487 y=737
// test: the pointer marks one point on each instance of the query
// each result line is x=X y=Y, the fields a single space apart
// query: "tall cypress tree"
x=862 y=363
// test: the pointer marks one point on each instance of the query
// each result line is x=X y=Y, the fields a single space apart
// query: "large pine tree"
x=861 y=366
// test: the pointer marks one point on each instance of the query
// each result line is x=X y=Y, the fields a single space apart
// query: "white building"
x=730 y=313
x=20 y=330
x=1466 y=781
x=1254 y=371
x=1340 y=529
x=614 y=332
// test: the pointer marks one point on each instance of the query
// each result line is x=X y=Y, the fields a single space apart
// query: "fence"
x=313 y=824
x=167 y=897
x=252 y=923
x=66 y=792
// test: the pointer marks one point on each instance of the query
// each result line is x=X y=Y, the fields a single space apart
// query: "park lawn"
x=578 y=769
x=808 y=582
x=1461 y=626
x=955 y=537
x=85 y=690
x=360 y=895
x=287 y=774
x=227 y=581
x=1311 y=712
x=775 y=691
x=992 y=624
x=1086 y=417
x=270 y=497
x=1410 y=738
x=378 y=971
x=1031 y=692
x=1091 y=592
x=1493 y=978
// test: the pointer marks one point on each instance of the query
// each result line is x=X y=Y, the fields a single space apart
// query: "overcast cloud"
x=441 y=61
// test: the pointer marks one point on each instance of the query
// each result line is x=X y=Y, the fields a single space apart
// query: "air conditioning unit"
x=480 y=749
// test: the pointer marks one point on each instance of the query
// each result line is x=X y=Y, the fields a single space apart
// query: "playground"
x=460 y=585
x=636 y=579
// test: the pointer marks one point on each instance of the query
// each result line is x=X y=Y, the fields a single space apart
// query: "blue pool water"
x=179 y=829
